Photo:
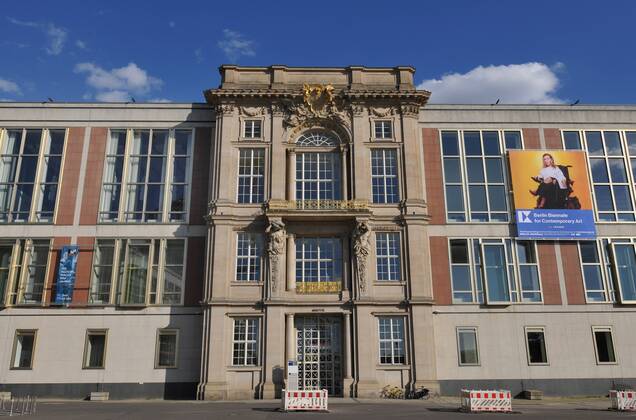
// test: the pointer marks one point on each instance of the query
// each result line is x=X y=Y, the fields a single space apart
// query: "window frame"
x=167 y=331
x=243 y=128
x=19 y=272
x=39 y=175
x=464 y=184
x=17 y=333
x=474 y=330
x=391 y=317
x=118 y=280
x=245 y=341
x=626 y=157
x=389 y=257
x=252 y=177
x=542 y=330
x=618 y=284
x=384 y=177
x=385 y=122
x=337 y=261
x=604 y=328
x=86 y=356
x=259 y=242
x=168 y=181
x=476 y=270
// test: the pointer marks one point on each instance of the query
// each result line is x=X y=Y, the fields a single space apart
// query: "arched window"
x=318 y=173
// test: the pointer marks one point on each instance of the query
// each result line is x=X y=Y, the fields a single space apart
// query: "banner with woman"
x=552 y=194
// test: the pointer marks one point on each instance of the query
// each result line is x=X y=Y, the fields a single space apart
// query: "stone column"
x=291 y=262
x=291 y=175
x=347 y=359
x=290 y=339
x=343 y=169
x=346 y=262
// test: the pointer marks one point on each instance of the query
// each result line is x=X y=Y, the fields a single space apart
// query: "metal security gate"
x=319 y=354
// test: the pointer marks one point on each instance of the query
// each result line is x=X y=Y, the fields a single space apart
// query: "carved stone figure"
x=275 y=247
x=319 y=104
x=361 y=249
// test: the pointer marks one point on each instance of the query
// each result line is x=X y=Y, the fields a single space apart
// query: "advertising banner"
x=552 y=197
x=66 y=274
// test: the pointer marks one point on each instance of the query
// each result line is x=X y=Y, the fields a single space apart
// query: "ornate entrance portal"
x=319 y=353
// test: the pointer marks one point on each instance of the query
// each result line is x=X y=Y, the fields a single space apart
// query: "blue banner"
x=66 y=274
x=555 y=224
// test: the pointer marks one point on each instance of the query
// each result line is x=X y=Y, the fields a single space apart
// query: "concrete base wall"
x=117 y=391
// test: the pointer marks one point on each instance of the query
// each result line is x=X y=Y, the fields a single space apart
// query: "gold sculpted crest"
x=318 y=97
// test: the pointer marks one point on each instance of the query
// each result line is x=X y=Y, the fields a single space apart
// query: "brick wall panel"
x=549 y=274
x=531 y=138
x=433 y=176
x=573 y=276
x=84 y=270
x=440 y=270
x=552 y=138
x=70 y=176
x=200 y=175
x=195 y=271
x=93 y=178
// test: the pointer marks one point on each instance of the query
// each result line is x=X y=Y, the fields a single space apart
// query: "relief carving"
x=275 y=248
x=319 y=103
x=252 y=111
x=361 y=249
x=382 y=112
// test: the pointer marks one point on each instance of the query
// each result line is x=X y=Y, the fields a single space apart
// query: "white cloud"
x=528 y=83
x=81 y=44
x=160 y=100
x=56 y=35
x=198 y=55
x=7 y=86
x=234 y=45
x=118 y=84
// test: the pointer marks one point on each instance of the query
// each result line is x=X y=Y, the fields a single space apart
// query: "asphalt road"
x=349 y=410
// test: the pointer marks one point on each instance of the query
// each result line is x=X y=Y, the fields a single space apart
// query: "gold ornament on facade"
x=318 y=97
x=318 y=287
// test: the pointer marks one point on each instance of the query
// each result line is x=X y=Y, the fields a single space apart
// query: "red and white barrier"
x=486 y=400
x=304 y=400
x=623 y=400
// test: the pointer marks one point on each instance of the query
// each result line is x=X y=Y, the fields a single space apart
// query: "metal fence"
x=18 y=406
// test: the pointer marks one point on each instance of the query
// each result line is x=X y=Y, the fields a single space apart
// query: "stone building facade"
x=328 y=216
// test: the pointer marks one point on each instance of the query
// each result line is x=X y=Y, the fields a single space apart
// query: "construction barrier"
x=304 y=400
x=486 y=400
x=623 y=400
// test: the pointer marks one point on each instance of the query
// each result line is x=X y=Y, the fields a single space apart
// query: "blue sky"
x=464 y=51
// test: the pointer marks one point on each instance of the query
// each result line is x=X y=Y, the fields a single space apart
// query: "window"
x=23 y=269
x=475 y=174
x=138 y=271
x=383 y=129
x=30 y=163
x=146 y=176
x=317 y=139
x=251 y=179
x=467 y=346
x=318 y=260
x=95 y=349
x=23 y=348
x=245 y=342
x=248 y=257
x=252 y=129
x=166 y=349
x=384 y=178
x=318 y=176
x=604 y=345
x=392 y=349
x=596 y=269
x=611 y=157
x=495 y=271
x=388 y=256
x=535 y=342
x=624 y=258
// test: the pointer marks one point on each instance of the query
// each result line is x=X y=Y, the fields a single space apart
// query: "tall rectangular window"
x=475 y=174
x=318 y=260
x=245 y=342
x=497 y=271
x=384 y=176
x=597 y=273
x=146 y=176
x=383 y=129
x=95 y=349
x=604 y=345
x=33 y=278
x=388 y=256
x=30 y=164
x=392 y=346
x=248 y=256
x=318 y=176
x=166 y=349
x=535 y=343
x=6 y=257
x=252 y=129
x=138 y=271
x=251 y=178
x=467 y=346
x=23 y=349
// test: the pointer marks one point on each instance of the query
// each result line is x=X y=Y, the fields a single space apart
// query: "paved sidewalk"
x=349 y=409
